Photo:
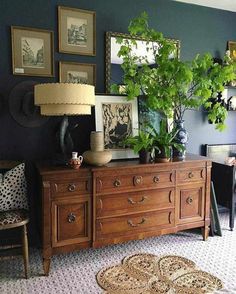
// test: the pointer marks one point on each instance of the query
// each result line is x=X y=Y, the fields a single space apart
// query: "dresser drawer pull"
x=156 y=179
x=130 y=223
x=131 y=201
x=190 y=175
x=138 y=180
x=71 y=188
x=189 y=200
x=117 y=183
x=71 y=217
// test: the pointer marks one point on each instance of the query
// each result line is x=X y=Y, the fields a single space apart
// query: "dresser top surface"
x=45 y=168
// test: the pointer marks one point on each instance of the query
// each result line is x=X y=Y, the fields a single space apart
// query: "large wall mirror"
x=114 y=71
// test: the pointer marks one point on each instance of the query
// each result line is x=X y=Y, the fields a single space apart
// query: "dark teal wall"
x=198 y=28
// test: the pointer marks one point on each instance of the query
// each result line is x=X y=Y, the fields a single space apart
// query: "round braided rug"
x=149 y=274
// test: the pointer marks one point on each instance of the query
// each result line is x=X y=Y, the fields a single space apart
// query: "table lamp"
x=64 y=99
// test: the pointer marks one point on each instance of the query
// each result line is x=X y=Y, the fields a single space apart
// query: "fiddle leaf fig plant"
x=169 y=84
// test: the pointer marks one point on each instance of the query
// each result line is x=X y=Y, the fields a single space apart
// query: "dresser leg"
x=205 y=233
x=46 y=266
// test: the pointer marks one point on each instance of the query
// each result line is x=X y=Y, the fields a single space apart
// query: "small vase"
x=181 y=138
x=75 y=161
x=97 y=155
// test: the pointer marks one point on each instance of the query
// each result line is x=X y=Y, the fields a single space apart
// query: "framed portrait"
x=73 y=72
x=117 y=118
x=76 y=29
x=232 y=49
x=32 y=52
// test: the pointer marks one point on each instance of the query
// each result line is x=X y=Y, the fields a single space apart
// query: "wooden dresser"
x=122 y=201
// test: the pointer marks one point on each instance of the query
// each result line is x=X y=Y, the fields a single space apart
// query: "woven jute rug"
x=150 y=274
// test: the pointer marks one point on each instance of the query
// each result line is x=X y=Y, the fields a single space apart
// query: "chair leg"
x=25 y=250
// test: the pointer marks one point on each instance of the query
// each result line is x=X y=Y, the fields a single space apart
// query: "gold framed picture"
x=32 y=52
x=232 y=49
x=73 y=72
x=77 y=29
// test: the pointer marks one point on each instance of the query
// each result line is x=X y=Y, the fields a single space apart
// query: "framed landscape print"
x=32 y=52
x=76 y=31
x=73 y=72
x=117 y=118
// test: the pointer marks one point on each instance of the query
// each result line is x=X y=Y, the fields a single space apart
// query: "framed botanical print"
x=32 y=52
x=73 y=72
x=117 y=118
x=76 y=31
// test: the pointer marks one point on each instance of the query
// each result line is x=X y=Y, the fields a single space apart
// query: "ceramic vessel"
x=75 y=161
x=181 y=138
x=97 y=155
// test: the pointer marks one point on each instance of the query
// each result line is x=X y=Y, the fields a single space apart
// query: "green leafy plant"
x=173 y=86
x=143 y=141
x=164 y=140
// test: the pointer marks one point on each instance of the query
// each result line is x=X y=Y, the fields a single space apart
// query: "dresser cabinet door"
x=190 y=203
x=71 y=221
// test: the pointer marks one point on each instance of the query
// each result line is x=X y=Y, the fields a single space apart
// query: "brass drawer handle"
x=189 y=200
x=71 y=217
x=156 y=179
x=190 y=175
x=117 y=183
x=131 y=201
x=71 y=187
x=130 y=223
x=138 y=180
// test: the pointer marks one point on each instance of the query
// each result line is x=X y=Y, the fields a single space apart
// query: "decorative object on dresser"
x=80 y=73
x=148 y=273
x=77 y=31
x=130 y=201
x=14 y=206
x=22 y=108
x=97 y=155
x=75 y=161
x=32 y=52
x=141 y=144
x=63 y=99
x=118 y=119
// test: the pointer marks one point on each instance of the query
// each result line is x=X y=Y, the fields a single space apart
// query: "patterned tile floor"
x=74 y=273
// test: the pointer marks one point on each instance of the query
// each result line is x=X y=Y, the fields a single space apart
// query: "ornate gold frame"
x=108 y=53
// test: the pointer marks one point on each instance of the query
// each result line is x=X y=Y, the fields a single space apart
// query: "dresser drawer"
x=191 y=175
x=128 y=225
x=71 y=221
x=76 y=186
x=109 y=205
x=113 y=183
x=191 y=203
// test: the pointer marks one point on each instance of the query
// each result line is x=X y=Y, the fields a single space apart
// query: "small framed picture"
x=76 y=31
x=73 y=72
x=118 y=119
x=32 y=52
x=232 y=49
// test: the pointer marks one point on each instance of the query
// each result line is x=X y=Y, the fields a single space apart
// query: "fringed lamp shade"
x=64 y=98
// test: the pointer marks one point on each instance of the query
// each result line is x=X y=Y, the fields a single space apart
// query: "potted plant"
x=164 y=141
x=171 y=85
x=142 y=144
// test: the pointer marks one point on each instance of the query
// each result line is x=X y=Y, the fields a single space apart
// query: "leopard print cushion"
x=13 y=189
x=12 y=217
